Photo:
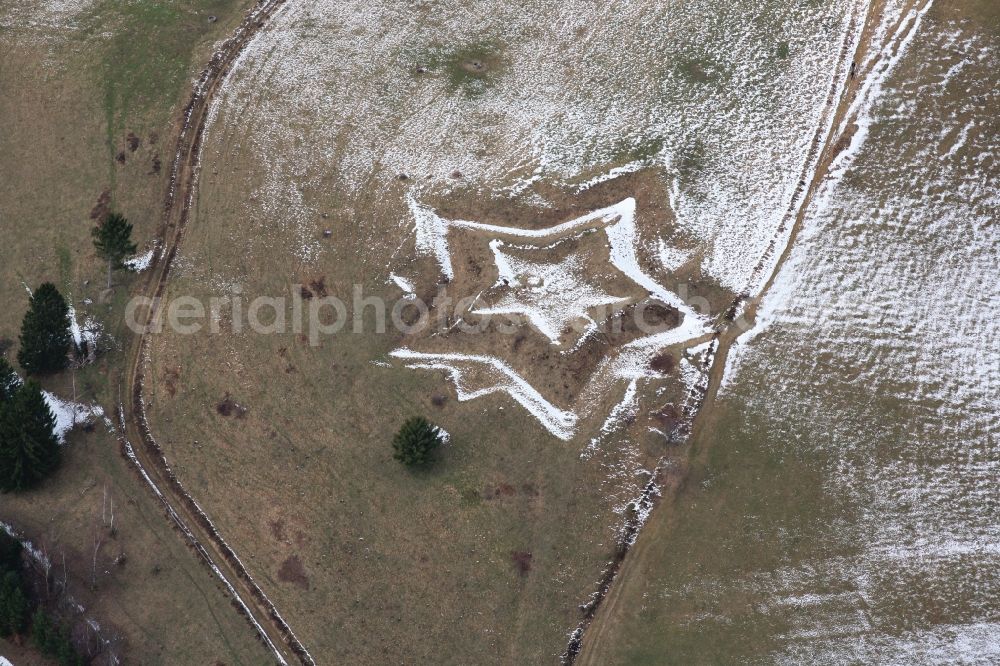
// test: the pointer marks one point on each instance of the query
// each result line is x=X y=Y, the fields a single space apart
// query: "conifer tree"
x=10 y=553
x=8 y=381
x=416 y=442
x=43 y=631
x=45 y=335
x=13 y=604
x=113 y=241
x=29 y=449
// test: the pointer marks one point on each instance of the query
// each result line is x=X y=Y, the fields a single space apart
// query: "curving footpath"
x=137 y=442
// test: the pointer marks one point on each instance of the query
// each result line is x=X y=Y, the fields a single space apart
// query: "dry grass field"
x=80 y=80
x=346 y=146
x=552 y=169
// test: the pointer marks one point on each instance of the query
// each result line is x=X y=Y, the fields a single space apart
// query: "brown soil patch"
x=640 y=320
x=318 y=286
x=506 y=490
x=229 y=407
x=102 y=207
x=170 y=378
x=475 y=66
x=522 y=561
x=664 y=363
x=292 y=571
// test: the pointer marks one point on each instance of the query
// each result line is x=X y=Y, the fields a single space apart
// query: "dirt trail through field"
x=832 y=136
x=137 y=441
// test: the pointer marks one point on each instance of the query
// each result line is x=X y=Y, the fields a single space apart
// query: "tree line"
x=16 y=619
x=29 y=448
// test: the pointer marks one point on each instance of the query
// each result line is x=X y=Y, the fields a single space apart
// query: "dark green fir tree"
x=13 y=604
x=416 y=442
x=29 y=449
x=45 y=335
x=113 y=241
x=8 y=381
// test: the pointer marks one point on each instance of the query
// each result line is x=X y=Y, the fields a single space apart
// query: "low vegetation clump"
x=417 y=442
x=29 y=449
x=45 y=334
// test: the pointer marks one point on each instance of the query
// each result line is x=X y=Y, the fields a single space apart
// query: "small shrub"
x=417 y=442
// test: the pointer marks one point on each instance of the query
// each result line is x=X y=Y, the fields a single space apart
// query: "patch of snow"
x=670 y=257
x=404 y=284
x=34 y=552
x=432 y=235
x=89 y=332
x=559 y=422
x=70 y=414
x=619 y=413
x=963 y=135
x=141 y=262
x=616 y=172
x=443 y=435
x=551 y=296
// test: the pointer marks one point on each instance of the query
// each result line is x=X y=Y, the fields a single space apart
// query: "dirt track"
x=146 y=455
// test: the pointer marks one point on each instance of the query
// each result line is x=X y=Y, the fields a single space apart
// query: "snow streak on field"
x=726 y=96
x=48 y=14
x=883 y=329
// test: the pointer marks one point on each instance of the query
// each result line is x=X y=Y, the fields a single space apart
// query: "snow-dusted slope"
x=726 y=95
x=882 y=329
